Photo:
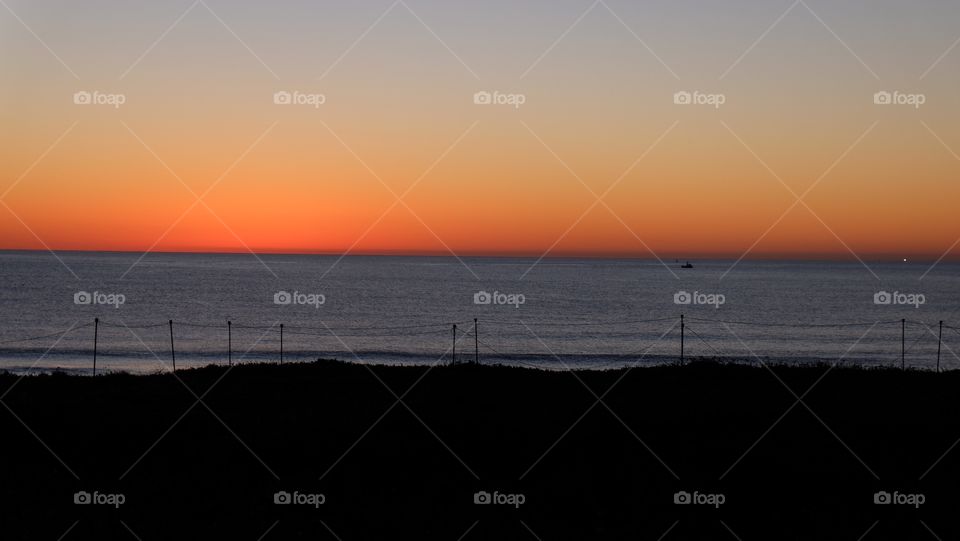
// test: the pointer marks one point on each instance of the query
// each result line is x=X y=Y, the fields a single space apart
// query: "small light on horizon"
x=904 y=260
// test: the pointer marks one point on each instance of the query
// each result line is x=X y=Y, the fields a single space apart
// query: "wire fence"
x=692 y=338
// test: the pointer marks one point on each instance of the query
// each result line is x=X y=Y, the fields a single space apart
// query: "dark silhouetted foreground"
x=558 y=464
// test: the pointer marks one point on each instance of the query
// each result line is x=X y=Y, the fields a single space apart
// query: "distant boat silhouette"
x=686 y=265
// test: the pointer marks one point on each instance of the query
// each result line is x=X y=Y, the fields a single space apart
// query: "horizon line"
x=769 y=256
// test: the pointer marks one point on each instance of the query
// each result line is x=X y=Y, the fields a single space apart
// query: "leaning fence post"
x=903 y=333
x=681 y=338
x=454 y=358
x=96 y=329
x=229 y=343
x=173 y=353
x=939 y=343
x=281 y=343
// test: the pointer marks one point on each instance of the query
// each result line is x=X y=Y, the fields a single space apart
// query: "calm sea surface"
x=556 y=313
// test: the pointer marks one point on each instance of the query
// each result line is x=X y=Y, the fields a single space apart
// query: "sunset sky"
x=598 y=80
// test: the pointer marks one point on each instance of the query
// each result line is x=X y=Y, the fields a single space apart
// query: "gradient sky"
x=712 y=182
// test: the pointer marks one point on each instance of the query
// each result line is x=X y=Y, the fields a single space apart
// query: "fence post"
x=229 y=343
x=681 y=338
x=903 y=332
x=281 y=343
x=173 y=353
x=939 y=343
x=476 y=343
x=454 y=358
x=96 y=329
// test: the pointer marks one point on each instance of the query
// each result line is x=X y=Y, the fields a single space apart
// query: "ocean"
x=553 y=314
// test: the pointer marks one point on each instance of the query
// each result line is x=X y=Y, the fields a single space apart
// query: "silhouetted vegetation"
x=588 y=470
